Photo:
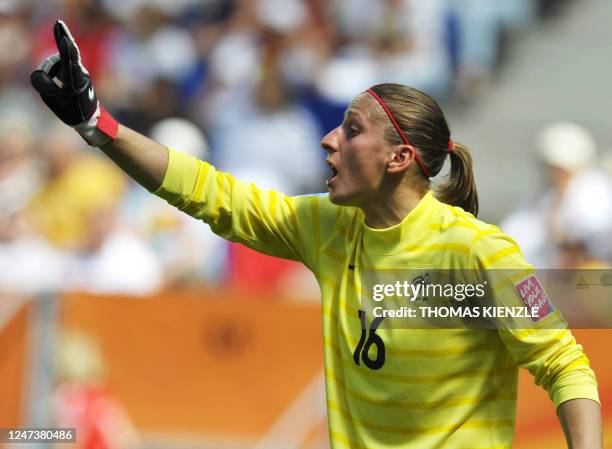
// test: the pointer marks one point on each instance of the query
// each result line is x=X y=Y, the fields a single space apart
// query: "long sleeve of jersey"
x=264 y=220
x=546 y=348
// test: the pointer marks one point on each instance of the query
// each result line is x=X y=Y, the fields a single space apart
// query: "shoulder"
x=454 y=223
x=487 y=245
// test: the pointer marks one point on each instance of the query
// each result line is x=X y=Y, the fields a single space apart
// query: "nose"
x=330 y=142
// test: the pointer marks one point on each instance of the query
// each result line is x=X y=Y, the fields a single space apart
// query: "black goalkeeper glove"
x=65 y=86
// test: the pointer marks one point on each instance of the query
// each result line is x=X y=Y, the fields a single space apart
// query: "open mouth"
x=334 y=173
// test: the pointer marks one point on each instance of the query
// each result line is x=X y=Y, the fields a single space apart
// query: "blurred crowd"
x=570 y=224
x=250 y=85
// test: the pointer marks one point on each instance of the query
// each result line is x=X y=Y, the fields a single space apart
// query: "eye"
x=351 y=129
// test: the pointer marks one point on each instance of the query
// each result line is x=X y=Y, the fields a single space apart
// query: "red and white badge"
x=532 y=293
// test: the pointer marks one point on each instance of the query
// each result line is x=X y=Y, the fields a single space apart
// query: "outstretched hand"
x=63 y=82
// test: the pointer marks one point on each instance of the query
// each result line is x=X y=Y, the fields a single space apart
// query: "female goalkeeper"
x=386 y=388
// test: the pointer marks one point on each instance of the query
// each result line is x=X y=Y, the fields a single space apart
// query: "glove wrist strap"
x=100 y=129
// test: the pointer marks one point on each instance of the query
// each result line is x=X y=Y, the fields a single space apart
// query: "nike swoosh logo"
x=91 y=93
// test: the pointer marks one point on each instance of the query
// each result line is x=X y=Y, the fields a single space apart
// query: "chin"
x=341 y=199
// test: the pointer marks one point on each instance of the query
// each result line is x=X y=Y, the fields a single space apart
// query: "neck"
x=390 y=210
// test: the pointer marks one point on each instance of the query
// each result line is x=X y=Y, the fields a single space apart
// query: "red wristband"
x=107 y=124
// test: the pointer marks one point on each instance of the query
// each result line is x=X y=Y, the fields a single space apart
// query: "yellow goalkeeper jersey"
x=432 y=388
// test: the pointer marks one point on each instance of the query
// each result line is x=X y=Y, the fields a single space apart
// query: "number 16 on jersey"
x=367 y=340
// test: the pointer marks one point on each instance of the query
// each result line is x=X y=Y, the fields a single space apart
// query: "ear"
x=402 y=158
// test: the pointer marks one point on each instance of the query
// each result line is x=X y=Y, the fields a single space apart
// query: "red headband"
x=451 y=144
x=400 y=132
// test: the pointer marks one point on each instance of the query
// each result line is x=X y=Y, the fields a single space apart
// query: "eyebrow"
x=352 y=113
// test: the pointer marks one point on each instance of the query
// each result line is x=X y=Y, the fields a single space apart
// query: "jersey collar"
x=407 y=233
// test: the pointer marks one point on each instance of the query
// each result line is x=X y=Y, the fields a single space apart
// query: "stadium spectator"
x=569 y=226
x=76 y=184
x=396 y=41
x=485 y=29
x=112 y=259
x=28 y=263
x=20 y=173
x=83 y=400
x=258 y=131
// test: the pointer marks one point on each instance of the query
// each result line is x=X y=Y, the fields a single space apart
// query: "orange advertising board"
x=13 y=371
x=183 y=364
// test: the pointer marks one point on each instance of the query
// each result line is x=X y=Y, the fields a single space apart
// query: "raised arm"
x=267 y=221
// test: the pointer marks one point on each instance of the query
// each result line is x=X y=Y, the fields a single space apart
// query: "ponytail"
x=459 y=188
